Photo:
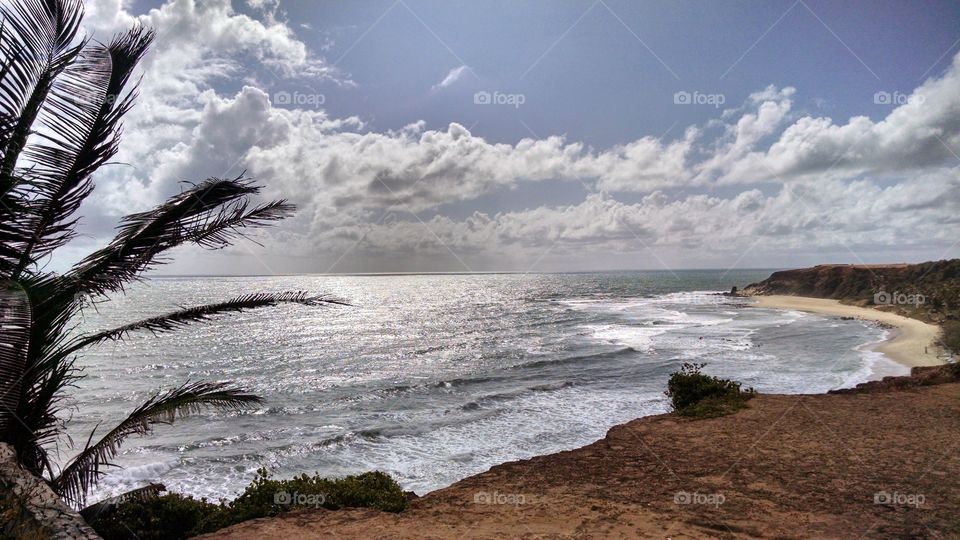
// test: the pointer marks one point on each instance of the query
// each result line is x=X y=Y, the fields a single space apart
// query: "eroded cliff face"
x=931 y=287
x=30 y=509
x=830 y=281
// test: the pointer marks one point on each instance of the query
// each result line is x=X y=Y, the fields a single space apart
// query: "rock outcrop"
x=30 y=509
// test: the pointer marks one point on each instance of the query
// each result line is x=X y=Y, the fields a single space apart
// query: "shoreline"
x=912 y=343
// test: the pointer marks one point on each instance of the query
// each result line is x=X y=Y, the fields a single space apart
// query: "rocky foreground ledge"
x=30 y=509
x=880 y=461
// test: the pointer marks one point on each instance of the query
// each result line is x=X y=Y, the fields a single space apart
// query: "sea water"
x=432 y=378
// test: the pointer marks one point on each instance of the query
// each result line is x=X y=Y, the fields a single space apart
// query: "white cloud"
x=452 y=77
x=923 y=132
x=345 y=177
x=832 y=215
x=175 y=121
x=418 y=168
x=264 y=5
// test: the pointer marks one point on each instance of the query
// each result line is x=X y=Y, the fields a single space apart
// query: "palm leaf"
x=42 y=32
x=15 y=322
x=44 y=375
x=36 y=386
x=84 y=471
x=35 y=46
x=177 y=319
x=83 y=116
x=141 y=494
x=209 y=214
x=79 y=93
x=14 y=223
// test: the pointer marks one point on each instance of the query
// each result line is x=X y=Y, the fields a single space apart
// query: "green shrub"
x=951 y=336
x=176 y=516
x=168 y=516
x=370 y=489
x=697 y=395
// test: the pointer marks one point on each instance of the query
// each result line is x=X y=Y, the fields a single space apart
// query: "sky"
x=535 y=136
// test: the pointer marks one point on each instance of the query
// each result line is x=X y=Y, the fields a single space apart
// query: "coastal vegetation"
x=62 y=101
x=174 y=516
x=951 y=336
x=697 y=395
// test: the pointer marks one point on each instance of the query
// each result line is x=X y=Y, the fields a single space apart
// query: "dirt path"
x=881 y=465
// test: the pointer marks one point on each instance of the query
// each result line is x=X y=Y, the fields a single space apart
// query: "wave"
x=638 y=338
x=876 y=365
x=125 y=478
x=480 y=406
x=492 y=399
x=467 y=381
x=622 y=351
x=381 y=433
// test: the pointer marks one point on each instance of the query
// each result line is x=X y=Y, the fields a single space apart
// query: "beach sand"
x=912 y=344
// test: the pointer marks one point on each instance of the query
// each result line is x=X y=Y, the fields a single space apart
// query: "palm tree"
x=62 y=99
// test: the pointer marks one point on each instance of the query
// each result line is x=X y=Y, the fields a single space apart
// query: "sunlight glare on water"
x=432 y=378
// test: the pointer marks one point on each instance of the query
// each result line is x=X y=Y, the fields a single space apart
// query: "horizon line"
x=465 y=273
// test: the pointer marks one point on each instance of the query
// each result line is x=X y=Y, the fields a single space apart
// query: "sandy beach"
x=912 y=344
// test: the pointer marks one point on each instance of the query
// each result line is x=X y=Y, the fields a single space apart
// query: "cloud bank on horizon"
x=765 y=180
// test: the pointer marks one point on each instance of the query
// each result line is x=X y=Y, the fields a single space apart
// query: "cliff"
x=868 y=463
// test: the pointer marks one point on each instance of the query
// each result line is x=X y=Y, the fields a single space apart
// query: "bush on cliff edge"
x=174 y=516
x=951 y=336
x=696 y=395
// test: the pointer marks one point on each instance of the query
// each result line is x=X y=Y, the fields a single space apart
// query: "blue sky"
x=824 y=132
x=595 y=81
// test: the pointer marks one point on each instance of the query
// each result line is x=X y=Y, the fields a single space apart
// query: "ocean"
x=432 y=378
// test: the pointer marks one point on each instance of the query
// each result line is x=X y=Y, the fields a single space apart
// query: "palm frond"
x=141 y=494
x=79 y=92
x=83 y=471
x=35 y=383
x=16 y=318
x=209 y=214
x=41 y=34
x=83 y=116
x=183 y=317
x=36 y=39
x=14 y=223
